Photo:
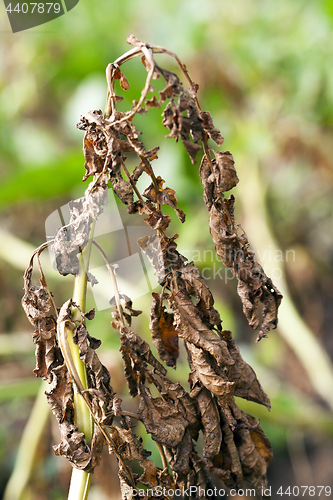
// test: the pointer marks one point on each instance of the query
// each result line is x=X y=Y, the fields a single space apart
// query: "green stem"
x=80 y=481
x=80 y=484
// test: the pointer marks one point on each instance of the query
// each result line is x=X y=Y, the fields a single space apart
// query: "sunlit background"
x=265 y=71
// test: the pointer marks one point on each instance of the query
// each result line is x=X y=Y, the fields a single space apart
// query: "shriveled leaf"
x=130 y=447
x=152 y=103
x=94 y=163
x=210 y=419
x=247 y=386
x=156 y=194
x=36 y=300
x=90 y=314
x=254 y=287
x=254 y=466
x=206 y=180
x=99 y=376
x=213 y=379
x=131 y=375
x=158 y=220
x=163 y=419
x=225 y=173
x=231 y=460
x=217 y=176
x=178 y=393
x=138 y=171
x=185 y=127
x=47 y=353
x=173 y=85
x=136 y=354
x=172 y=119
x=72 y=238
x=162 y=254
x=128 y=306
x=191 y=328
x=141 y=348
x=36 y=303
x=72 y=444
x=196 y=286
x=210 y=128
x=123 y=82
x=179 y=458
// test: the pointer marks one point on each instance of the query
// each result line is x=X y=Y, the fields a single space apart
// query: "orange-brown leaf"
x=163 y=332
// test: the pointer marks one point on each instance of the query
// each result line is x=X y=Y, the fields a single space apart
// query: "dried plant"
x=236 y=449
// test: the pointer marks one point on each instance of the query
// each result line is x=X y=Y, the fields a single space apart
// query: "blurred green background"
x=265 y=71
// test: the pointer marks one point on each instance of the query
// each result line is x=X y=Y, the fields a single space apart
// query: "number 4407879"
x=31 y=8
x=311 y=491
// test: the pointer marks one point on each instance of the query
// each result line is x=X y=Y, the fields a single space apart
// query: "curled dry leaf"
x=140 y=349
x=158 y=220
x=71 y=239
x=192 y=126
x=36 y=300
x=254 y=287
x=184 y=127
x=164 y=196
x=177 y=393
x=162 y=254
x=210 y=419
x=195 y=286
x=163 y=419
x=255 y=452
x=191 y=328
x=125 y=441
x=209 y=127
x=217 y=176
x=98 y=375
x=173 y=85
x=47 y=353
x=179 y=458
x=60 y=397
x=247 y=386
x=210 y=377
x=152 y=103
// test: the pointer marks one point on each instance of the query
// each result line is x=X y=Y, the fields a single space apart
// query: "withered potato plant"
x=236 y=451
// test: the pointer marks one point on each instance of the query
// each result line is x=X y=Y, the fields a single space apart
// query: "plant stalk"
x=80 y=480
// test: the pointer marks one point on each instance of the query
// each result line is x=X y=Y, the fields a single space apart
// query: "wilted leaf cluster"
x=235 y=448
